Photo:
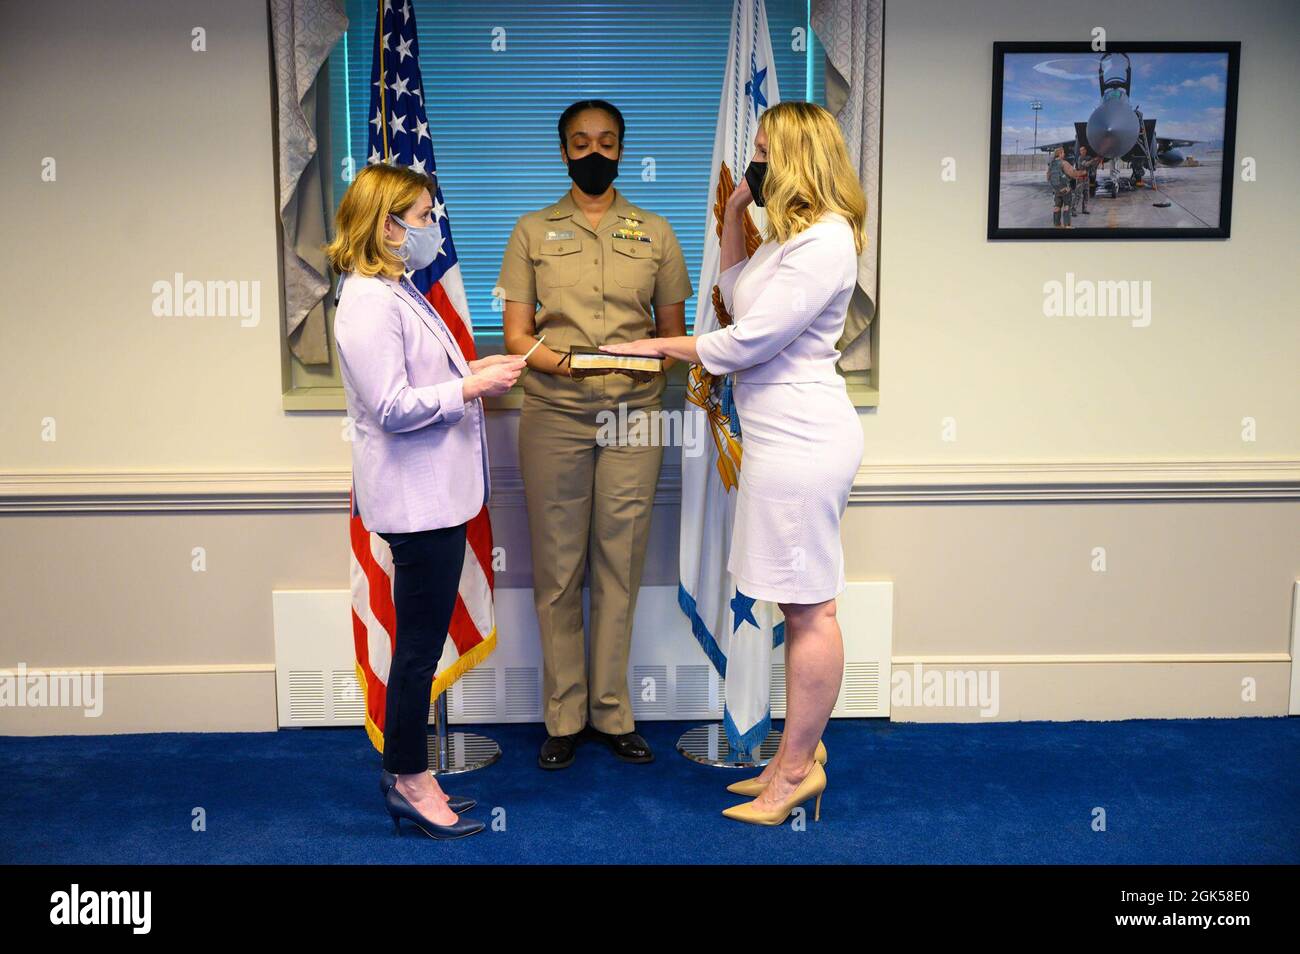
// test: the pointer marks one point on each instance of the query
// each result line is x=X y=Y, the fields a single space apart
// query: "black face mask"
x=594 y=173
x=754 y=175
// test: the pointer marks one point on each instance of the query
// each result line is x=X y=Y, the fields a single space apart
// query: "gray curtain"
x=852 y=32
x=302 y=34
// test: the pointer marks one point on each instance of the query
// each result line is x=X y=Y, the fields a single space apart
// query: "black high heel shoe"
x=457 y=803
x=399 y=808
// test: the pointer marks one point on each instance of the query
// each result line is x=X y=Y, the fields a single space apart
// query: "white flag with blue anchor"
x=736 y=632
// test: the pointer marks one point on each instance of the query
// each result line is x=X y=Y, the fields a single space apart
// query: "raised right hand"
x=740 y=197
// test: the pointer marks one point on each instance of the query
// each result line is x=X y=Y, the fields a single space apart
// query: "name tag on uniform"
x=566 y=234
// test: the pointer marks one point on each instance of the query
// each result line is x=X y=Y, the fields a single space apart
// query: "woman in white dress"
x=800 y=432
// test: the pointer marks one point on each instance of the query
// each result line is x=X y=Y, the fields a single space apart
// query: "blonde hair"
x=359 y=245
x=808 y=172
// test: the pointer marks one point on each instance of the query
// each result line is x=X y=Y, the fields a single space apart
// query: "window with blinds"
x=498 y=73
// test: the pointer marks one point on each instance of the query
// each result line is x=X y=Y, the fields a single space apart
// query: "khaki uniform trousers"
x=586 y=502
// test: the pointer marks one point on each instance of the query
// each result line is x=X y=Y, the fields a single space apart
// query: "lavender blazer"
x=419 y=454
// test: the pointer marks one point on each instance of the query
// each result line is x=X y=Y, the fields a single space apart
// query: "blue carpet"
x=1174 y=792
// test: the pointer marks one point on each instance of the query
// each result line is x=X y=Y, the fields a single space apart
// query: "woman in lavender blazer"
x=419 y=456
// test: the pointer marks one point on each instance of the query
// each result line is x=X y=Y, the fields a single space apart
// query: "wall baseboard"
x=242 y=697
x=1294 y=707
x=327 y=489
x=230 y=697
x=1018 y=659
x=1104 y=687
x=207 y=669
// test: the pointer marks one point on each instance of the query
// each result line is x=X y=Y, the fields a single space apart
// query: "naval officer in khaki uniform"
x=591 y=269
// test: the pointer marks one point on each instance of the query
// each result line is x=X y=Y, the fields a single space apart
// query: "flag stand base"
x=708 y=745
x=451 y=753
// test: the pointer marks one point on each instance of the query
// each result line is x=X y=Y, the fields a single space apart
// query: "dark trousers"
x=426 y=577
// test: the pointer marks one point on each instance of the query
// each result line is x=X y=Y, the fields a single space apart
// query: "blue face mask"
x=420 y=244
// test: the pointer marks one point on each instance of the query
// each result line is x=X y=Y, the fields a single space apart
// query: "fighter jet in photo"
x=1117 y=132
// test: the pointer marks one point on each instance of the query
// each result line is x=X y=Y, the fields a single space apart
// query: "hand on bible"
x=645 y=347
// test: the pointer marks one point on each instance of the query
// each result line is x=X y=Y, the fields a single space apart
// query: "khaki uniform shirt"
x=593 y=287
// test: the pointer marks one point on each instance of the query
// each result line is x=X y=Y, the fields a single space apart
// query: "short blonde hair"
x=377 y=191
x=808 y=172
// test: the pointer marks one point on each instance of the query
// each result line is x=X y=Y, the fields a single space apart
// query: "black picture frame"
x=997 y=231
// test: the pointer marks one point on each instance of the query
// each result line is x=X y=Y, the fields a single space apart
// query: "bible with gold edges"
x=582 y=358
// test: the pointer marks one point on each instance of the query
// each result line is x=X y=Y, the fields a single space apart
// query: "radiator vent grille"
x=693 y=691
x=861 y=688
x=478 y=695
x=523 y=693
x=349 y=700
x=306 y=695
x=649 y=691
x=777 y=688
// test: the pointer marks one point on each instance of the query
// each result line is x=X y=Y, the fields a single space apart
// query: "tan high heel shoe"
x=753 y=787
x=813 y=785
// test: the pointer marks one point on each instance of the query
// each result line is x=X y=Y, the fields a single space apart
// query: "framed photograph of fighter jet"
x=1132 y=142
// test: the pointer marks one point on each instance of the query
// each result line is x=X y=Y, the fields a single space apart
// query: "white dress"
x=801 y=437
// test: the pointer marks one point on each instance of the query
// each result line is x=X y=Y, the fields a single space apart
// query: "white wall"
x=171 y=433
x=963 y=332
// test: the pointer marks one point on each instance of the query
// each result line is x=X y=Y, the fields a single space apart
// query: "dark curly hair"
x=567 y=116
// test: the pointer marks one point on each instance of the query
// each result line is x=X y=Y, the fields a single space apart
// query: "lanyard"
x=424 y=303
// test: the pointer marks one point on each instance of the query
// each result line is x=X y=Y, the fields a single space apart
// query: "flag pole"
x=453 y=753
x=383 y=106
x=744 y=738
x=708 y=745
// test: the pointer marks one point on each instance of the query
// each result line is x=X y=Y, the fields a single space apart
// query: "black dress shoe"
x=557 y=751
x=457 y=803
x=629 y=746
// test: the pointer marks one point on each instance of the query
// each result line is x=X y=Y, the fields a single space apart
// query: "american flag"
x=399 y=134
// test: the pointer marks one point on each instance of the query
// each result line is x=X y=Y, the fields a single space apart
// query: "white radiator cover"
x=669 y=676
